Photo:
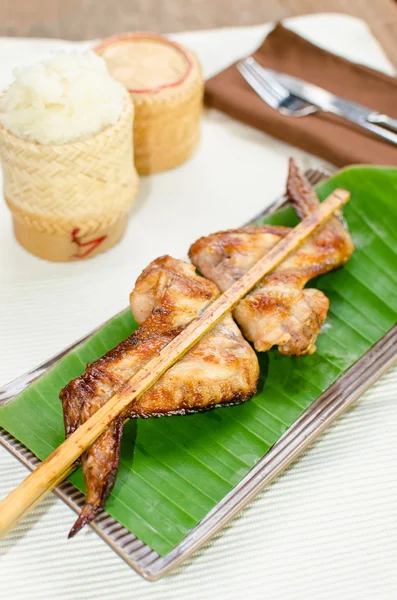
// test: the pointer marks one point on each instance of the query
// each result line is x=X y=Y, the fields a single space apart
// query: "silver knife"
x=324 y=100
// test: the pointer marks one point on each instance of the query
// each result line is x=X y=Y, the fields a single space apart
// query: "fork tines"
x=276 y=95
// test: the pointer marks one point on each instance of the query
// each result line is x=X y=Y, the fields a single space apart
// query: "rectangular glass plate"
x=335 y=400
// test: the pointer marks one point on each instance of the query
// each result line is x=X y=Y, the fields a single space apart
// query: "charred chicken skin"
x=280 y=311
x=220 y=370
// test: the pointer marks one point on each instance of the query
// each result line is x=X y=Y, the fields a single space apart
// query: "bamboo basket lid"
x=166 y=85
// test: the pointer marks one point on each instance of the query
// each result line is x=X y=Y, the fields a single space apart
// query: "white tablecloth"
x=328 y=527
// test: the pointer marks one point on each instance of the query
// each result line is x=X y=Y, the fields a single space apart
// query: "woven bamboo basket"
x=166 y=85
x=71 y=201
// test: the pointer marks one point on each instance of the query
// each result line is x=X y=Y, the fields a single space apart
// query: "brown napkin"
x=322 y=134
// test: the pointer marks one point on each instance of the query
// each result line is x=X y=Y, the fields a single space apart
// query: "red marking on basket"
x=125 y=37
x=91 y=245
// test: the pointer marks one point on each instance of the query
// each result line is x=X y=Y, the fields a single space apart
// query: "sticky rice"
x=67 y=98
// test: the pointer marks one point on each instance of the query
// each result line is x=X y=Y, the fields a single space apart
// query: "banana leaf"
x=174 y=470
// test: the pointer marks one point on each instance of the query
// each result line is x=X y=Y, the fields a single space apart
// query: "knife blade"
x=360 y=115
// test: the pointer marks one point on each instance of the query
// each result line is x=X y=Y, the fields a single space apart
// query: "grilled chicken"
x=220 y=370
x=280 y=311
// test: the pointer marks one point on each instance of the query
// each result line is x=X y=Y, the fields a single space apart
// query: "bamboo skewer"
x=61 y=462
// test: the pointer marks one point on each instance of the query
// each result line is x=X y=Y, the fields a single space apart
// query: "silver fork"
x=276 y=95
x=272 y=92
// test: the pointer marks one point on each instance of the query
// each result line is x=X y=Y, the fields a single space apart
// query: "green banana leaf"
x=174 y=470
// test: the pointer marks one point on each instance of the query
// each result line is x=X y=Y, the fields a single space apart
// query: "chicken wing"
x=280 y=310
x=220 y=370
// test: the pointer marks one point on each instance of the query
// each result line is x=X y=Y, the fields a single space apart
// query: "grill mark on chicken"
x=280 y=311
x=220 y=370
